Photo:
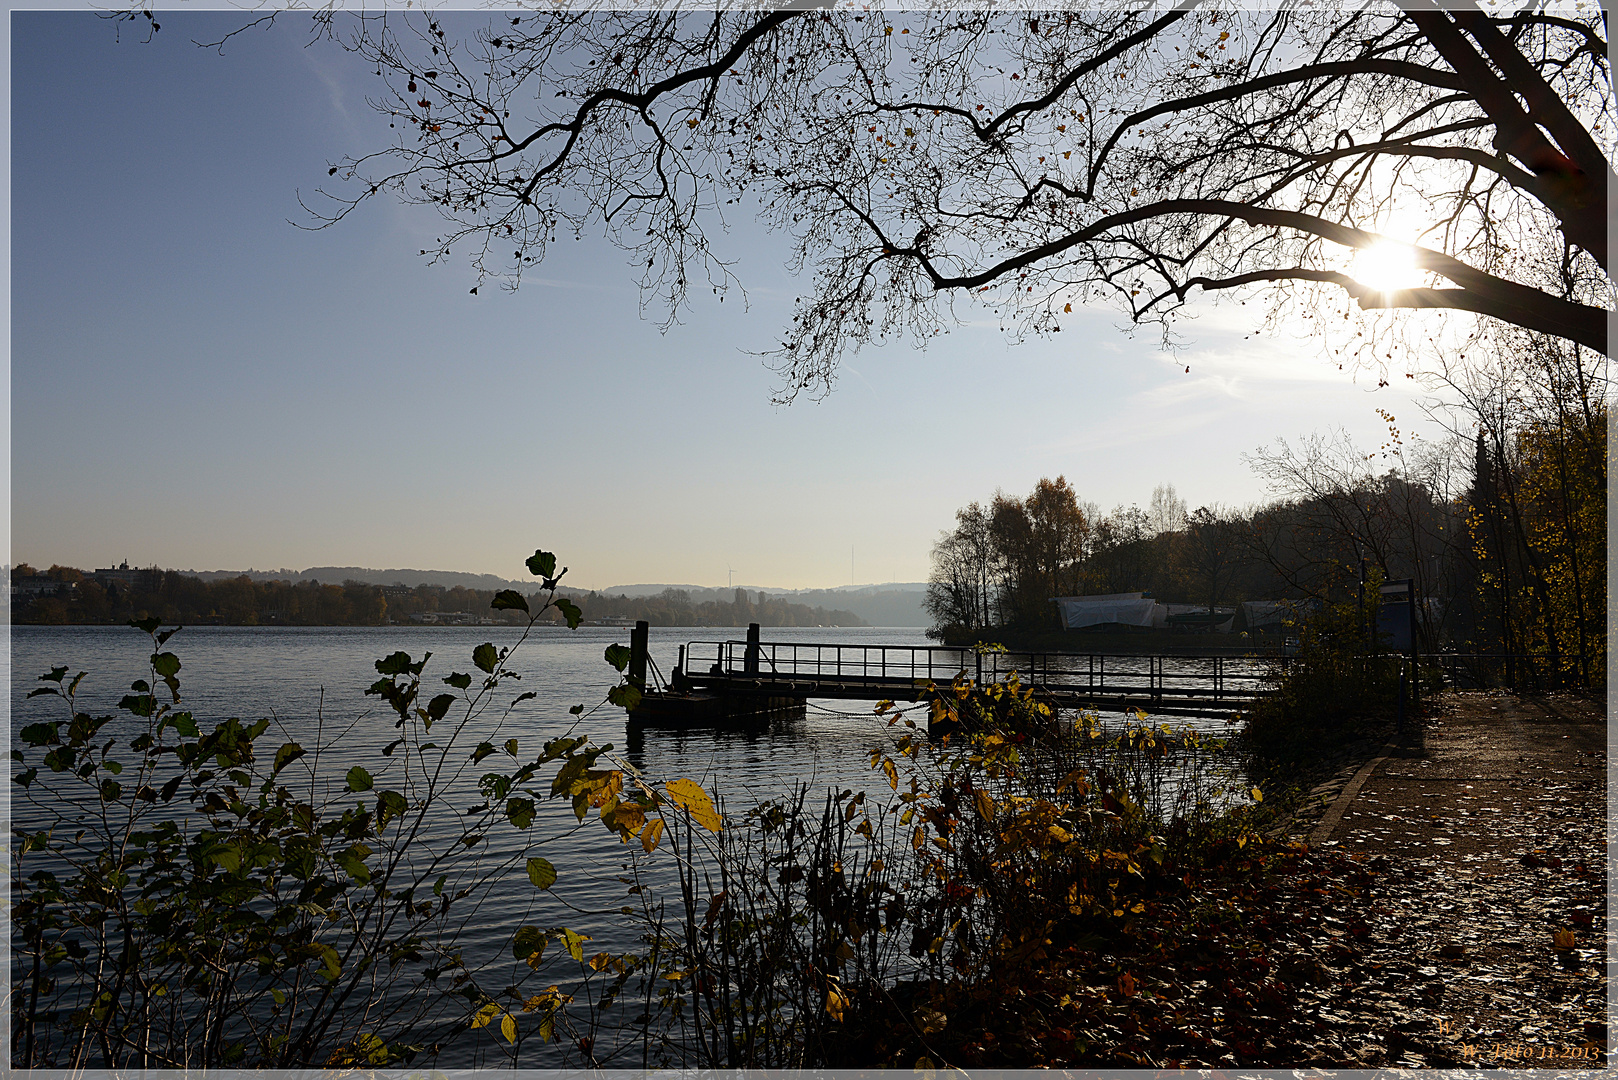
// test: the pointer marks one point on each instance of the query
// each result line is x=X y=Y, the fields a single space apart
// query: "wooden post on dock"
x=637 y=654
x=750 y=662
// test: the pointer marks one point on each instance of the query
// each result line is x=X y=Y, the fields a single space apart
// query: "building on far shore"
x=124 y=577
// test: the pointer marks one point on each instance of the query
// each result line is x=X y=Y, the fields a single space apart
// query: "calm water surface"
x=310 y=681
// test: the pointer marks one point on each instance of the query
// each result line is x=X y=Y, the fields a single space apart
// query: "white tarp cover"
x=1127 y=609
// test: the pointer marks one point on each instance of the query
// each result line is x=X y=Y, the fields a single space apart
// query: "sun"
x=1385 y=266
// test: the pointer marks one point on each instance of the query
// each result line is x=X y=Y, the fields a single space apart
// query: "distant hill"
x=336 y=575
x=894 y=603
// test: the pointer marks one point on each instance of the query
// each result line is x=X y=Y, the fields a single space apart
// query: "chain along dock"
x=748 y=682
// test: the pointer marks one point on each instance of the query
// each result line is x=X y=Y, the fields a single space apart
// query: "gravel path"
x=1480 y=941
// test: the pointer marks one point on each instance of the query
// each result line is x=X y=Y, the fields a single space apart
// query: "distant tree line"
x=674 y=607
x=64 y=594
x=1503 y=522
x=180 y=598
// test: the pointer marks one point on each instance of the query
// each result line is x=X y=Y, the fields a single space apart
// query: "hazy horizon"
x=533 y=582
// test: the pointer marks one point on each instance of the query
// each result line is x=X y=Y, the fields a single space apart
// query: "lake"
x=310 y=681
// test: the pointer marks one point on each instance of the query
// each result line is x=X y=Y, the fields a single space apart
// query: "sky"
x=198 y=383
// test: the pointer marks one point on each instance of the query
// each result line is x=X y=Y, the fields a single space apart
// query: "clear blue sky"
x=196 y=383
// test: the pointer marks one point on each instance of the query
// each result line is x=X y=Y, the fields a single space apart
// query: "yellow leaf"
x=1258 y=796
x=600 y=960
x=649 y=835
x=688 y=795
x=891 y=773
x=485 y=1015
x=918 y=838
x=605 y=788
x=835 y=1004
x=985 y=803
x=1067 y=307
x=1564 y=939
x=690 y=123
x=508 y=1028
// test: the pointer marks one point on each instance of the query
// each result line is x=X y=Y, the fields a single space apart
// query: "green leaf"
x=285 y=756
x=576 y=709
x=438 y=886
x=541 y=872
x=27 y=777
x=148 y=625
x=558 y=747
x=438 y=706
x=571 y=612
x=394 y=664
x=521 y=814
x=485 y=657
x=527 y=942
x=484 y=749
x=359 y=779
x=138 y=704
x=575 y=944
x=618 y=656
x=40 y=734
x=509 y=600
x=387 y=751
x=542 y=564
x=353 y=860
x=575 y=768
x=626 y=697
x=165 y=635
x=389 y=805
x=457 y=680
x=520 y=698
x=165 y=664
x=185 y=724
x=55 y=675
x=332 y=964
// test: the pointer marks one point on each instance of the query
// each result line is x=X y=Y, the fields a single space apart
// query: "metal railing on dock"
x=873 y=671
